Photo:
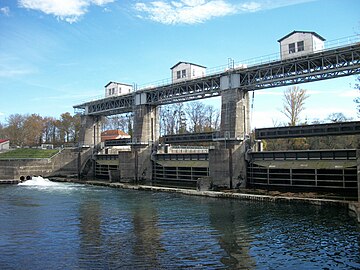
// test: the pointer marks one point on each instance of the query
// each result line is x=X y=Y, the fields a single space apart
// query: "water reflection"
x=231 y=221
x=101 y=228
x=147 y=247
x=91 y=238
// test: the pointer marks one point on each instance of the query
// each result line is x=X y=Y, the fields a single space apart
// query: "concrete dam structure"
x=229 y=162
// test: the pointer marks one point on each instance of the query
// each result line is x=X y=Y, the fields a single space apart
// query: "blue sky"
x=56 y=53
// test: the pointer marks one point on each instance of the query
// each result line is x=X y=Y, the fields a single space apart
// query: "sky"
x=55 y=54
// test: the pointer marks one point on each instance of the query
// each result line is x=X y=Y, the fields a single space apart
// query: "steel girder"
x=205 y=87
x=111 y=106
x=313 y=67
x=339 y=62
x=332 y=129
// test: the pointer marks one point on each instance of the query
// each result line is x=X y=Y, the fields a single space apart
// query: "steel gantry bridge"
x=328 y=64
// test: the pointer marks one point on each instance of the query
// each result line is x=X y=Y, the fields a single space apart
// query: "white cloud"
x=67 y=10
x=13 y=72
x=185 y=11
x=5 y=11
x=199 y=11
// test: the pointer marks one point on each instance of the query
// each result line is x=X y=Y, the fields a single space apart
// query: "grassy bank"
x=29 y=153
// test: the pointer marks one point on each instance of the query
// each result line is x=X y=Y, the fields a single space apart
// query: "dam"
x=232 y=159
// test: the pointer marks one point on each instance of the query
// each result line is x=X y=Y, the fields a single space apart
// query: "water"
x=69 y=226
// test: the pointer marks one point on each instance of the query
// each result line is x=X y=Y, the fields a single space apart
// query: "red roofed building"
x=4 y=145
x=113 y=134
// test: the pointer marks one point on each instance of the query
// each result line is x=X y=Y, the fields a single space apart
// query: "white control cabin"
x=183 y=71
x=117 y=89
x=299 y=43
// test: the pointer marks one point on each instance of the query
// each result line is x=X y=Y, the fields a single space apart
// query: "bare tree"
x=15 y=129
x=172 y=119
x=49 y=129
x=34 y=128
x=357 y=100
x=196 y=113
x=293 y=104
x=337 y=118
x=212 y=119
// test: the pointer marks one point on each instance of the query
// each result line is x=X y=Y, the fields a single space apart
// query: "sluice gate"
x=175 y=169
x=180 y=169
x=104 y=164
x=321 y=170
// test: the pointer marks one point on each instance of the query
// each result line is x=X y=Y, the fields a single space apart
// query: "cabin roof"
x=308 y=32
x=181 y=62
x=117 y=83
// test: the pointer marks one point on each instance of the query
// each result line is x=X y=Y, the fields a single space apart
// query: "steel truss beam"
x=205 y=87
x=328 y=64
x=111 y=106
x=331 y=129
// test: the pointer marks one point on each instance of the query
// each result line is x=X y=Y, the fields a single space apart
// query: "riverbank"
x=272 y=197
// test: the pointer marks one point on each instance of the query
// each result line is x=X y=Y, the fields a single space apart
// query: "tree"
x=172 y=119
x=49 y=132
x=196 y=113
x=2 y=131
x=357 y=100
x=34 y=128
x=293 y=104
x=15 y=129
x=65 y=126
x=337 y=118
x=212 y=119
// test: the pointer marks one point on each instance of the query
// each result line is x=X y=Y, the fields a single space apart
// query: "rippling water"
x=70 y=226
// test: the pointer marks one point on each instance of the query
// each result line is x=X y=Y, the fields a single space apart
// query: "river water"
x=72 y=226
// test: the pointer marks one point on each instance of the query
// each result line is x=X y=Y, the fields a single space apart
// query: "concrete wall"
x=135 y=165
x=235 y=114
x=227 y=166
x=146 y=124
x=63 y=164
x=90 y=133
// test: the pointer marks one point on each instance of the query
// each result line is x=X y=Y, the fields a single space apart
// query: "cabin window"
x=193 y=72
x=183 y=73
x=178 y=74
x=291 y=48
x=109 y=92
x=300 y=46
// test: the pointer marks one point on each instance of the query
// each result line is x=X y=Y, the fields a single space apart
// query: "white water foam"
x=38 y=181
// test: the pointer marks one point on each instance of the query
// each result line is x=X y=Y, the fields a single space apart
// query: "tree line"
x=33 y=130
